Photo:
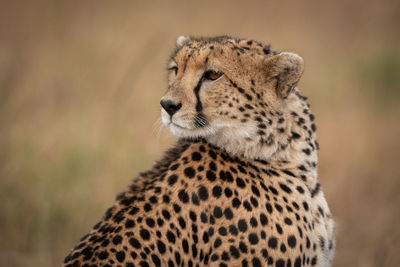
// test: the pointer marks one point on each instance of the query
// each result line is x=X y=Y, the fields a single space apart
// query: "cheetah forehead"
x=238 y=45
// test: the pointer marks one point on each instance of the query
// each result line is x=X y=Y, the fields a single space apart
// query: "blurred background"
x=80 y=83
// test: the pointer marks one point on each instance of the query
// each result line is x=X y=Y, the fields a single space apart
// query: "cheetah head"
x=231 y=92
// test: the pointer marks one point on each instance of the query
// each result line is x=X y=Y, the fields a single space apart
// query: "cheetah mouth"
x=177 y=126
x=186 y=132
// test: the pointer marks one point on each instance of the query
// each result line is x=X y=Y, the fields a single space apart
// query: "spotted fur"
x=240 y=187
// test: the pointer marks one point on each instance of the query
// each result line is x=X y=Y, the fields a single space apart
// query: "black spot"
x=103 y=255
x=288 y=221
x=222 y=231
x=225 y=257
x=217 y=191
x=228 y=213
x=240 y=183
x=134 y=243
x=195 y=199
x=253 y=222
x=171 y=237
x=120 y=255
x=295 y=135
x=212 y=154
x=144 y=234
x=193 y=216
x=233 y=230
x=254 y=202
x=147 y=207
x=269 y=208
x=205 y=237
x=214 y=257
x=273 y=190
x=177 y=258
x=117 y=239
x=156 y=260
x=280 y=263
x=196 y=156
x=213 y=166
x=183 y=196
x=203 y=217
x=166 y=214
x=263 y=219
x=272 y=242
x=255 y=190
x=211 y=176
x=289 y=173
x=217 y=243
x=285 y=188
x=321 y=242
x=236 y=202
x=185 y=246
x=234 y=252
x=189 y=172
x=256 y=262
x=222 y=175
x=297 y=263
x=228 y=192
x=292 y=241
x=203 y=193
x=228 y=176
x=172 y=179
x=314 y=260
x=313 y=127
x=174 y=167
x=150 y=222
x=161 y=246
x=253 y=238
x=278 y=207
x=166 y=199
x=267 y=49
x=243 y=247
x=217 y=212
x=242 y=225
x=300 y=189
x=279 y=228
x=182 y=222
x=316 y=189
x=248 y=106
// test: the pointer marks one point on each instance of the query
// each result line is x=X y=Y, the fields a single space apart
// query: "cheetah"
x=240 y=186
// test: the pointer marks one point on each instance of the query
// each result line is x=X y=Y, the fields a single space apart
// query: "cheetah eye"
x=212 y=75
x=174 y=69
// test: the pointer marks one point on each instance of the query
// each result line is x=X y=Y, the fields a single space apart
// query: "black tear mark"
x=199 y=106
x=200 y=119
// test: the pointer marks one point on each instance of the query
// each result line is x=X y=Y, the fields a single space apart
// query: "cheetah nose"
x=170 y=106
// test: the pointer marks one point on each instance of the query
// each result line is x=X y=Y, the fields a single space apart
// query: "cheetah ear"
x=286 y=68
x=182 y=40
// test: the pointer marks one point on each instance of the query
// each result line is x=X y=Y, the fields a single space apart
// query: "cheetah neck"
x=297 y=146
x=290 y=145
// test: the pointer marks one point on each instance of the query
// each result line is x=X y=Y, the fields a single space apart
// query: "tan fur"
x=240 y=188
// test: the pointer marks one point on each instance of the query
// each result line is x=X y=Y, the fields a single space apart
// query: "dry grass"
x=79 y=89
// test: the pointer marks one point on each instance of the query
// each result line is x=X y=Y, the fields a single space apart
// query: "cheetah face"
x=226 y=88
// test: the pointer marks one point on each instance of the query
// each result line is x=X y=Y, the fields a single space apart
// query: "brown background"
x=80 y=83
